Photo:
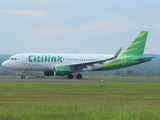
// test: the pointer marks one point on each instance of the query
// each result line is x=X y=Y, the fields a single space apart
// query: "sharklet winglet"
x=118 y=52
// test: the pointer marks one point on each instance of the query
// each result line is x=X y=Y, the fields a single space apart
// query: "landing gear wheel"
x=79 y=76
x=23 y=76
x=70 y=76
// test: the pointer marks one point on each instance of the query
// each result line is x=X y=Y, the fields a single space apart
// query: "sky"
x=81 y=26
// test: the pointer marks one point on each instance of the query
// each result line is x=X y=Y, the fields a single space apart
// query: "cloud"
x=43 y=2
x=23 y=12
x=111 y=25
x=96 y=25
x=52 y=31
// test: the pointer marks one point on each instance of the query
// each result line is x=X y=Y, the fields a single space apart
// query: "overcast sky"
x=82 y=26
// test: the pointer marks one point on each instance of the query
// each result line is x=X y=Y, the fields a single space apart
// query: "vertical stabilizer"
x=137 y=46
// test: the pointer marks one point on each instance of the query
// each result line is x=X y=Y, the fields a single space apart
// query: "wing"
x=81 y=65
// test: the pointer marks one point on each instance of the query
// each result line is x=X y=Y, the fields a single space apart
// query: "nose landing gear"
x=23 y=75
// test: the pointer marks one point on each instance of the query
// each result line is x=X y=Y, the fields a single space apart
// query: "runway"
x=148 y=79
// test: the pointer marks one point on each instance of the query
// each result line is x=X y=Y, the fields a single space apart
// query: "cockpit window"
x=12 y=58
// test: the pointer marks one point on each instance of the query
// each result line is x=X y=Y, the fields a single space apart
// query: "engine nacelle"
x=48 y=73
x=61 y=70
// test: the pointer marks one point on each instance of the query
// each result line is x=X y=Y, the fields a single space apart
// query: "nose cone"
x=4 y=64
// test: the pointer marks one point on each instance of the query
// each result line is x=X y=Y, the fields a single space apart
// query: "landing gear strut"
x=23 y=75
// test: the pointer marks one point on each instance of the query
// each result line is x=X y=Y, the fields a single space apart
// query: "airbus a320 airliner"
x=67 y=64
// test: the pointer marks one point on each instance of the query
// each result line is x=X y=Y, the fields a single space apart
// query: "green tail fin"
x=138 y=45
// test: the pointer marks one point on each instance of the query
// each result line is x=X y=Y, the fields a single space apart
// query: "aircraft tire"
x=23 y=76
x=79 y=76
x=70 y=76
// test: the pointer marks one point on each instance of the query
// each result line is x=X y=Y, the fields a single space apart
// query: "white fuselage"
x=43 y=62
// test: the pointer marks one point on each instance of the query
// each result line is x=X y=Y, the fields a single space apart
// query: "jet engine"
x=61 y=70
x=48 y=73
x=57 y=70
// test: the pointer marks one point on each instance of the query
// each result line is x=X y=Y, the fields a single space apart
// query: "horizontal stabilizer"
x=143 y=59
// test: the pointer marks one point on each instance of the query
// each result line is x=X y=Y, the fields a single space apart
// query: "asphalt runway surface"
x=148 y=79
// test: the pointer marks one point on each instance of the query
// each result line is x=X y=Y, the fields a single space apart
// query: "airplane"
x=68 y=64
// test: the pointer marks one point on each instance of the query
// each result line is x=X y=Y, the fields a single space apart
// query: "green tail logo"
x=132 y=55
x=137 y=46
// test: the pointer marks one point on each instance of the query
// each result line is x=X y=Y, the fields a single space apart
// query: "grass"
x=80 y=101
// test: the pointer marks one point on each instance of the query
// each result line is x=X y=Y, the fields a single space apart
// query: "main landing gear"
x=23 y=75
x=78 y=76
x=70 y=76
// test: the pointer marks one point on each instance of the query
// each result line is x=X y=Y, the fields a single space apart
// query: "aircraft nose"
x=5 y=65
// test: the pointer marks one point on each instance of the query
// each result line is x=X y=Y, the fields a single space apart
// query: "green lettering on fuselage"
x=48 y=58
x=34 y=58
x=30 y=58
x=44 y=58
x=53 y=59
x=59 y=59
x=38 y=58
